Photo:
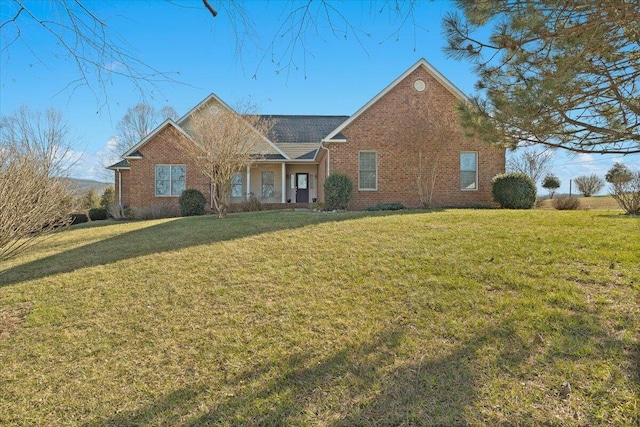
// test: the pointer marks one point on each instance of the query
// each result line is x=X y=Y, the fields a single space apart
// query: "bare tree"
x=225 y=142
x=534 y=164
x=625 y=187
x=101 y=56
x=432 y=136
x=34 y=155
x=588 y=185
x=138 y=122
x=81 y=36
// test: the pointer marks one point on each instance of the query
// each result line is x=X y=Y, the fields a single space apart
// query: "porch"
x=277 y=183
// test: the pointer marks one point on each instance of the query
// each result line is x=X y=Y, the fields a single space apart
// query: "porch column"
x=248 y=182
x=284 y=183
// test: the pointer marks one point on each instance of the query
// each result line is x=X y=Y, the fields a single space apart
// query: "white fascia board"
x=421 y=63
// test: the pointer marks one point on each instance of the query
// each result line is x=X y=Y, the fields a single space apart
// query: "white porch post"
x=284 y=183
x=248 y=182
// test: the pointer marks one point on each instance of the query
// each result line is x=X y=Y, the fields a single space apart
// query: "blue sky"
x=337 y=75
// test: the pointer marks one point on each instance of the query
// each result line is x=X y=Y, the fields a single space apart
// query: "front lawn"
x=453 y=317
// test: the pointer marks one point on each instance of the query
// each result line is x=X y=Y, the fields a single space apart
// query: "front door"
x=302 y=188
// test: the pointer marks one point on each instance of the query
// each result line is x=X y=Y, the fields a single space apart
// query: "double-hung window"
x=236 y=185
x=368 y=170
x=171 y=180
x=267 y=185
x=468 y=171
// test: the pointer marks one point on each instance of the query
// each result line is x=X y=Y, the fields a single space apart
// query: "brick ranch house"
x=406 y=134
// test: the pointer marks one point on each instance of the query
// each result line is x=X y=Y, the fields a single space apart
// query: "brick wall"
x=167 y=147
x=405 y=128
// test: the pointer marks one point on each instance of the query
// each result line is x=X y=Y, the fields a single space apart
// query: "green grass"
x=455 y=317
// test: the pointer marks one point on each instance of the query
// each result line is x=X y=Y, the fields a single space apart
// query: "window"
x=368 y=170
x=468 y=171
x=236 y=184
x=171 y=180
x=267 y=185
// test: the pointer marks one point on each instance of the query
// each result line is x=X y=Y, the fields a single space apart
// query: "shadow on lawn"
x=167 y=236
x=357 y=385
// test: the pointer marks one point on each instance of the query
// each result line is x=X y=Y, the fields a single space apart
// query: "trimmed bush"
x=191 y=202
x=566 y=204
x=78 y=218
x=338 y=191
x=98 y=214
x=514 y=191
x=394 y=206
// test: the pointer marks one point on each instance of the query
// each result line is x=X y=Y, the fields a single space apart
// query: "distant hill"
x=80 y=186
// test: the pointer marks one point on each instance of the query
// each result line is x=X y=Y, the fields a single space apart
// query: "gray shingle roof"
x=122 y=164
x=302 y=128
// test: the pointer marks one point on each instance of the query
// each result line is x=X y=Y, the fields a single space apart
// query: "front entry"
x=302 y=188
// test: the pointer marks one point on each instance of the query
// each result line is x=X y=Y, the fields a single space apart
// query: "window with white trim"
x=268 y=184
x=171 y=180
x=367 y=170
x=469 y=171
x=236 y=184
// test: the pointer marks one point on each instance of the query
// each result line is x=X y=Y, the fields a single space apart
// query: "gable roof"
x=337 y=136
x=133 y=151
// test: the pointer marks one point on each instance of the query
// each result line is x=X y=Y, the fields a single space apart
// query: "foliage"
x=534 y=164
x=588 y=185
x=251 y=205
x=33 y=148
x=627 y=192
x=514 y=191
x=224 y=143
x=551 y=183
x=108 y=198
x=191 y=202
x=562 y=74
x=618 y=173
x=89 y=200
x=566 y=203
x=393 y=206
x=98 y=214
x=338 y=191
x=156 y=211
x=452 y=318
x=78 y=218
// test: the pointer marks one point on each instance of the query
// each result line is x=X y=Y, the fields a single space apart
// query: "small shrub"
x=78 y=218
x=566 y=204
x=338 y=191
x=514 y=191
x=393 y=206
x=98 y=214
x=318 y=206
x=191 y=202
x=251 y=205
x=157 y=211
x=108 y=197
x=627 y=193
x=588 y=185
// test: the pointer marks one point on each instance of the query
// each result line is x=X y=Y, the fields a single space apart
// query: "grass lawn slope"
x=454 y=317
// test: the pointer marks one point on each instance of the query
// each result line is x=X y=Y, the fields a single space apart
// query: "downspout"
x=119 y=188
x=328 y=156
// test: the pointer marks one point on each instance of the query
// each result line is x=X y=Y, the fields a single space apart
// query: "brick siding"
x=397 y=127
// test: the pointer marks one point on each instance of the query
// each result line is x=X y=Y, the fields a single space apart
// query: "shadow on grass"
x=358 y=385
x=169 y=236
